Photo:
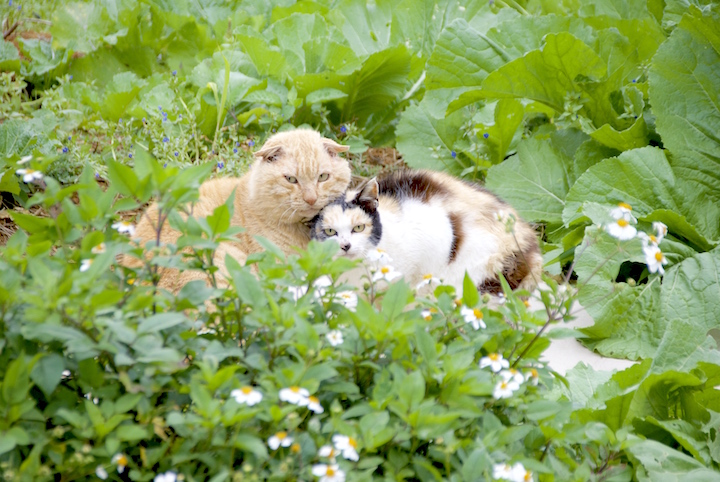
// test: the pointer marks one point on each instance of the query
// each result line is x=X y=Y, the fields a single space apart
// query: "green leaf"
x=252 y=444
x=119 y=93
x=47 y=372
x=16 y=381
x=683 y=88
x=470 y=295
x=664 y=464
x=161 y=321
x=548 y=74
x=326 y=94
x=219 y=220
x=246 y=285
x=123 y=178
x=9 y=57
x=366 y=27
x=535 y=181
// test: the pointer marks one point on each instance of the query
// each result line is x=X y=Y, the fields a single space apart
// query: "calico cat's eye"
x=323 y=177
x=291 y=179
x=329 y=231
x=359 y=228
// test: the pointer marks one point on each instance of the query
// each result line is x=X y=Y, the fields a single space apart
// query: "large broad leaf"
x=665 y=464
x=366 y=27
x=644 y=179
x=547 y=75
x=427 y=142
x=294 y=31
x=537 y=179
x=685 y=94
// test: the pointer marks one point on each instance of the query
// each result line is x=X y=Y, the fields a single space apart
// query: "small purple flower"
x=237 y=144
x=634 y=80
x=174 y=72
x=235 y=150
x=220 y=165
x=10 y=3
x=343 y=129
x=130 y=155
x=19 y=7
x=65 y=150
x=69 y=138
x=251 y=143
x=453 y=154
x=486 y=135
x=177 y=153
x=144 y=120
x=164 y=165
x=165 y=139
x=97 y=176
x=71 y=77
x=160 y=108
x=120 y=121
x=180 y=117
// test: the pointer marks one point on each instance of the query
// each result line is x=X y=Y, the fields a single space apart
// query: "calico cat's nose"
x=345 y=247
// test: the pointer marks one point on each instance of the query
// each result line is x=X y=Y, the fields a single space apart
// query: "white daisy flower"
x=29 y=175
x=347 y=446
x=533 y=376
x=247 y=395
x=388 y=273
x=121 y=460
x=349 y=299
x=521 y=474
x=512 y=374
x=321 y=285
x=280 y=439
x=655 y=259
x=495 y=361
x=378 y=256
x=474 y=317
x=328 y=451
x=166 y=477
x=297 y=292
x=661 y=230
x=427 y=314
x=124 y=227
x=99 y=249
x=621 y=229
x=502 y=471
x=294 y=395
x=328 y=473
x=25 y=159
x=313 y=404
x=505 y=389
x=428 y=279
x=623 y=211
x=85 y=264
x=100 y=472
x=334 y=337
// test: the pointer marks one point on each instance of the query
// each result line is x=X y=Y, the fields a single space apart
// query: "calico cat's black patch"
x=411 y=184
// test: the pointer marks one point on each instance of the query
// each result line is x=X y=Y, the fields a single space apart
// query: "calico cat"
x=296 y=173
x=432 y=223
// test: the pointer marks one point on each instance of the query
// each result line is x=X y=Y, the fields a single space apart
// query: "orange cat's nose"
x=310 y=199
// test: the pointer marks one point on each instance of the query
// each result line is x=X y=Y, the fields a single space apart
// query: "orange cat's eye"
x=323 y=177
x=291 y=179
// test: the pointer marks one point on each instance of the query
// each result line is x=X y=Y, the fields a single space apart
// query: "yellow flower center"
x=295 y=389
x=29 y=171
x=622 y=223
x=526 y=303
x=534 y=373
x=513 y=371
x=503 y=385
x=458 y=301
x=122 y=460
x=528 y=476
x=385 y=270
x=295 y=448
x=281 y=435
x=313 y=399
x=494 y=356
x=659 y=256
x=329 y=472
x=427 y=276
x=131 y=281
x=626 y=206
x=478 y=314
x=352 y=442
x=246 y=390
x=653 y=238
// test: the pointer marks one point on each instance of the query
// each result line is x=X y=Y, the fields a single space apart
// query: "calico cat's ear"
x=333 y=148
x=367 y=196
x=269 y=154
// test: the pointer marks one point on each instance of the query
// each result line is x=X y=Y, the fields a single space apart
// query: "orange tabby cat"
x=295 y=175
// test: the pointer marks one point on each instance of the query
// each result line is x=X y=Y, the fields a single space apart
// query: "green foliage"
x=564 y=109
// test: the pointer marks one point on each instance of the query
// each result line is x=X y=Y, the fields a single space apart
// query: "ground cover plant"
x=597 y=120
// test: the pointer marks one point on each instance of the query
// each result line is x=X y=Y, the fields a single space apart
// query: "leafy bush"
x=565 y=110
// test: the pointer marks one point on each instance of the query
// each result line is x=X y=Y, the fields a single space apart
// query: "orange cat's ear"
x=333 y=147
x=269 y=154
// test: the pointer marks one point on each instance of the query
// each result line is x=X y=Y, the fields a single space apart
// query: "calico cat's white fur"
x=432 y=223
